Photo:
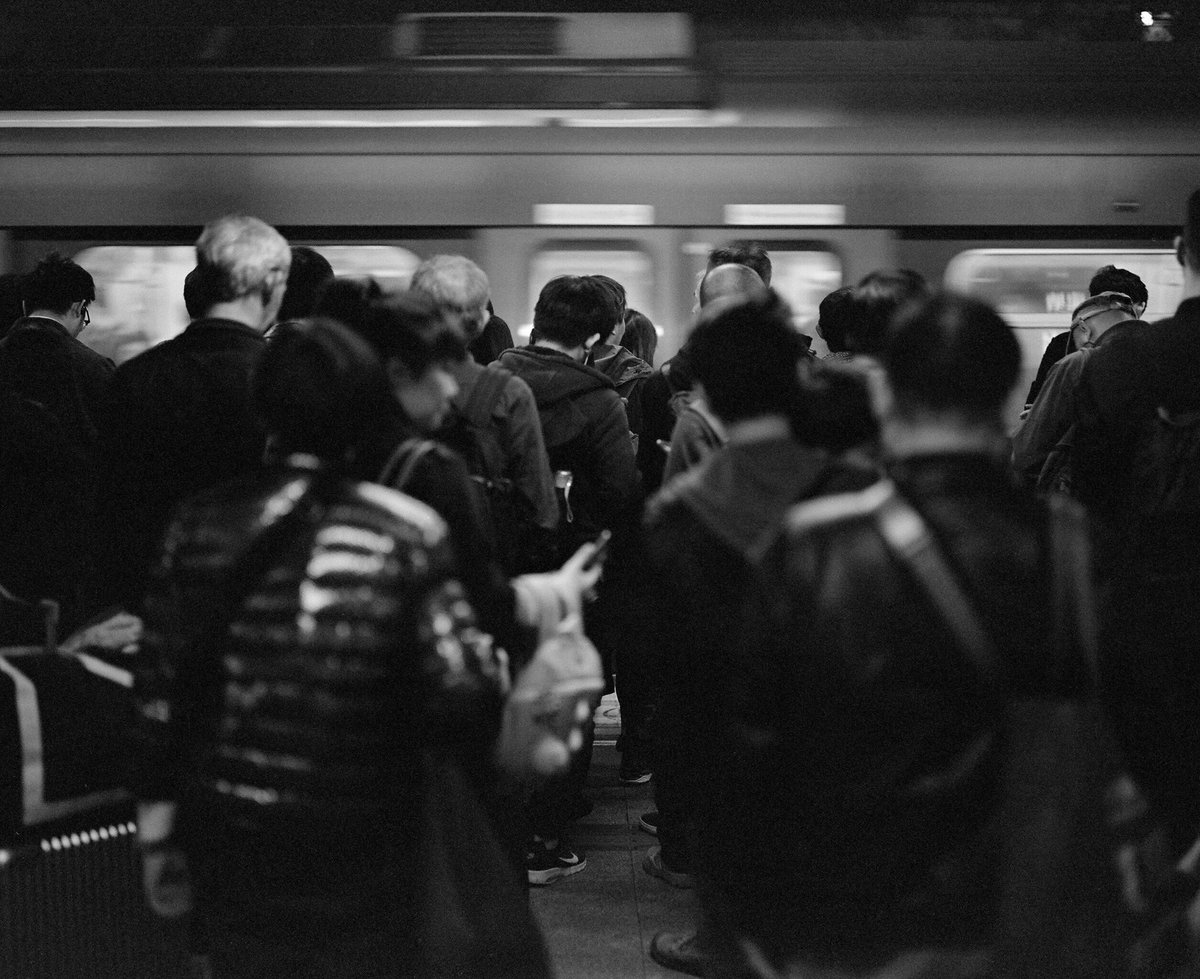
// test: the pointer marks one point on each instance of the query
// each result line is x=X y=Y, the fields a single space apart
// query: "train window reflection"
x=1035 y=289
x=139 y=288
x=623 y=261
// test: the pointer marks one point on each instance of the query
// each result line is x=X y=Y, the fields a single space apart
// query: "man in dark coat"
x=891 y=801
x=701 y=532
x=587 y=436
x=1136 y=464
x=42 y=358
x=179 y=416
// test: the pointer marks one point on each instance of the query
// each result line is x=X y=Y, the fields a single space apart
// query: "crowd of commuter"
x=916 y=694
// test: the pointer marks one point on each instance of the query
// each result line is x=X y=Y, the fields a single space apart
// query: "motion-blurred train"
x=1019 y=212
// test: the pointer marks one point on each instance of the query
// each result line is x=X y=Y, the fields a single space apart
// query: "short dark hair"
x=640 y=337
x=319 y=388
x=616 y=293
x=571 y=308
x=834 y=318
x=748 y=253
x=1112 y=279
x=874 y=302
x=409 y=327
x=951 y=353
x=56 y=284
x=745 y=352
x=308 y=275
x=347 y=299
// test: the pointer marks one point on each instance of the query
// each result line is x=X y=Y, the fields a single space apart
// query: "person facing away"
x=640 y=337
x=877 y=817
x=494 y=421
x=697 y=432
x=1136 y=462
x=311 y=673
x=309 y=274
x=1109 y=278
x=700 y=533
x=667 y=391
x=1100 y=319
x=626 y=370
x=42 y=358
x=179 y=416
x=584 y=424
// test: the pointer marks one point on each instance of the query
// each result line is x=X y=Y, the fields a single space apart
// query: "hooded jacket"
x=586 y=432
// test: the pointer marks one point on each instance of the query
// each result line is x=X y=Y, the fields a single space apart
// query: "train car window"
x=802 y=272
x=1035 y=289
x=624 y=261
x=139 y=288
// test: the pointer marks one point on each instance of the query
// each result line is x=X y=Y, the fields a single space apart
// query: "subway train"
x=1017 y=210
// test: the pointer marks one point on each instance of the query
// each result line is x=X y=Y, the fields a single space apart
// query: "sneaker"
x=544 y=865
x=679 y=951
x=635 y=773
x=648 y=823
x=653 y=864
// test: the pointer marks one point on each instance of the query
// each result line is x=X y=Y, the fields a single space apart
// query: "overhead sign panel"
x=788 y=214
x=593 y=213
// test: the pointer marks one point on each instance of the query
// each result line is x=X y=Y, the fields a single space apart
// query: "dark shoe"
x=648 y=822
x=634 y=771
x=653 y=864
x=544 y=865
x=679 y=951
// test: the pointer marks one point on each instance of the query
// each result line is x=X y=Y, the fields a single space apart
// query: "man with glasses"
x=42 y=358
x=1097 y=319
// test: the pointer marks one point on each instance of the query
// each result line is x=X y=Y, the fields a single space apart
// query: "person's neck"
x=247 y=311
x=575 y=353
x=934 y=434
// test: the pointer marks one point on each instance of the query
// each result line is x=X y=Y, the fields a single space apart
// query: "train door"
x=519 y=261
x=807 y=263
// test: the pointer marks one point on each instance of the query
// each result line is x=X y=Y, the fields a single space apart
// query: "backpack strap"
x=911 y=542
x=402 y=463
x=487 y=391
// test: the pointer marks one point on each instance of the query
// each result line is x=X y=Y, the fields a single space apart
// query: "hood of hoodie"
x=618 y=364
x=553 y=376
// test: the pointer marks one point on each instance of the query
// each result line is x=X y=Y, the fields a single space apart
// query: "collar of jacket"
x=206 y=323
x=40 y=322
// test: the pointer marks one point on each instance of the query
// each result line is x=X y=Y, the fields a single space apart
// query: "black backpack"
x=1165 y=466
x=470 y=432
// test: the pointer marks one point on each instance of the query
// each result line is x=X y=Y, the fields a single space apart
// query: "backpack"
x=472 y=434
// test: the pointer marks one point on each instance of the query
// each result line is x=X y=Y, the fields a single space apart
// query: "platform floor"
x=598 y=923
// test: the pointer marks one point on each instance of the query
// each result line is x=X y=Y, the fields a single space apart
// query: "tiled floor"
x=599 y=922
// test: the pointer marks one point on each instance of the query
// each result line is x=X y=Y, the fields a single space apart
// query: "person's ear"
x=1181 y=250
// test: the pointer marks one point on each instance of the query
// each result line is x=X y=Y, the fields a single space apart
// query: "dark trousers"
x=554 y=803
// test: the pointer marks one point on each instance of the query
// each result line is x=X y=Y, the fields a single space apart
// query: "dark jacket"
x=1053 y=413
x=440 y=479
x=44 y=519
x=306 y=648
x=700 y=535
x=179 y=419
x=41 y=360
x=586 y=432
x=628 y=372
x=869 y=755
x=1058 y=347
